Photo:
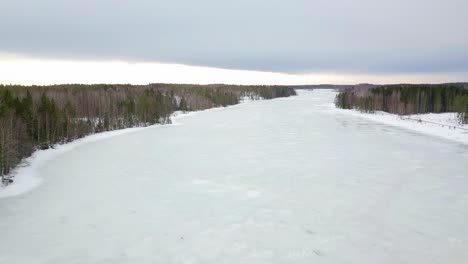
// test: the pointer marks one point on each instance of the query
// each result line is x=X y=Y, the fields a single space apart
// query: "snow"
x=274 y=181
x=250 y=98
x=444 y=119
x=444 y=125
x=25 y=175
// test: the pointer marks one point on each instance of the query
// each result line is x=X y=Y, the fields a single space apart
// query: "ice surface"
x=279 y=181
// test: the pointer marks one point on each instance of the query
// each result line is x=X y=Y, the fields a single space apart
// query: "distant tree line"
x=408 y=99
x=38 y=117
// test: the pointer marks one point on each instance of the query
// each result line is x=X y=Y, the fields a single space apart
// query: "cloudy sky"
x=253 y=41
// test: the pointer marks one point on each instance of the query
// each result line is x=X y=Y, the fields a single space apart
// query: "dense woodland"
x=408 y=99
x=33 y=117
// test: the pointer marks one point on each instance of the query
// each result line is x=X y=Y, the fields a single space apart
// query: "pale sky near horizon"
x=43 y=71
x=243 y=41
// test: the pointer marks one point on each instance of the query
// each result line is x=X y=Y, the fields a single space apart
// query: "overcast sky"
x=288 y=36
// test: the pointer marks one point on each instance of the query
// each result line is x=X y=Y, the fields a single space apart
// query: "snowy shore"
x=444 y=125
x=25 y=174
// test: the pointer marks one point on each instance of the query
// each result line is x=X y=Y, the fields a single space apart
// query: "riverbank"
x=434 y=109
x=39 y=117
x=444 y=125
x=25 y=174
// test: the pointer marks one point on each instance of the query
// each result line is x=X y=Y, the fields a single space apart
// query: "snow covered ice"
x=277 y=181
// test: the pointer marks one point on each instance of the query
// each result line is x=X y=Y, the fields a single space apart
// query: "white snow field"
x=280 y=181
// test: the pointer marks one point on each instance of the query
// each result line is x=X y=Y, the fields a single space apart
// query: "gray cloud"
x=365 y=36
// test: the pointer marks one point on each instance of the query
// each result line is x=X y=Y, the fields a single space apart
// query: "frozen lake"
x=281 y=181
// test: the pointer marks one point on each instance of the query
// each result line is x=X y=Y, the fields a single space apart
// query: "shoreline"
x=440 y=125
x=422 y=123
x=25 y=175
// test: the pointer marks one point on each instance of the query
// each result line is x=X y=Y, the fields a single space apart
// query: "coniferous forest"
x=408 y=99
x=38 y=117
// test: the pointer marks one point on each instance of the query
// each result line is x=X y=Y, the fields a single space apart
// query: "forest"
x=408 y=99
x=39 y=117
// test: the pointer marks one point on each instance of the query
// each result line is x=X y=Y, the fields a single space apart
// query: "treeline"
x=408 y=99
x=33 y=117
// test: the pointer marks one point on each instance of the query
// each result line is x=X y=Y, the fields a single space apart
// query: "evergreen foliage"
x=34 y=117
